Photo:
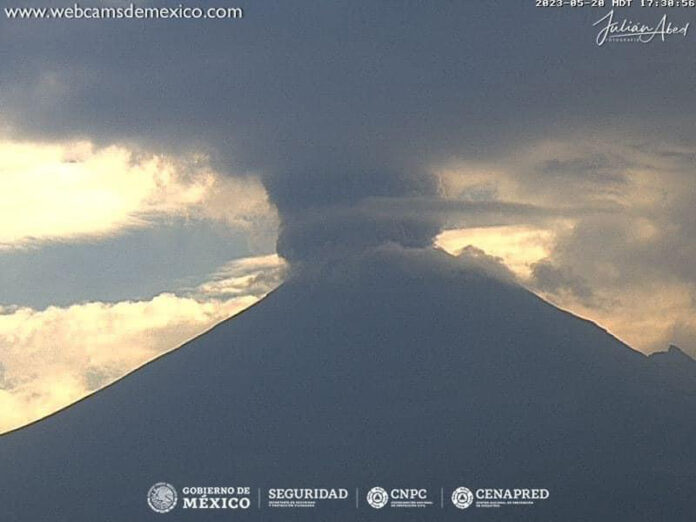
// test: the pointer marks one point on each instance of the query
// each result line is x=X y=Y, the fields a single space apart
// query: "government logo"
x=162 y=497
x=462 y=497
x=377 y=497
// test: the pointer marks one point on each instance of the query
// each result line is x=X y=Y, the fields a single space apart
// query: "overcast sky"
x=147 y=168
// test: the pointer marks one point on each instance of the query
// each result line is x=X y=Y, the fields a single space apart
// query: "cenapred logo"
x=462 y=497
x=377 y=497
x=162 y=497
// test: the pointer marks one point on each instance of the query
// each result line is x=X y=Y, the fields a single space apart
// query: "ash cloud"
x=333 y=103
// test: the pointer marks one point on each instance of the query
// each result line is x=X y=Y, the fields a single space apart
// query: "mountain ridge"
x=400 y=365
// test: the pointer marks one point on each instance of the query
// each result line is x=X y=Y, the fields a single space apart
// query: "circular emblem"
x=377 y=498
x=162 y=497
x=462 y=497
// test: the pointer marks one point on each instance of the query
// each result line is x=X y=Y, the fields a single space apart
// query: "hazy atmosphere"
x=157 y=177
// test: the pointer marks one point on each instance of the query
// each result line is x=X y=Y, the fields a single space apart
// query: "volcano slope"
x=396 y=367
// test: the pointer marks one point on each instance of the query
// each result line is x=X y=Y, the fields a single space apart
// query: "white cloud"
x=50 y=358
x=257 y=275
x=72 y=191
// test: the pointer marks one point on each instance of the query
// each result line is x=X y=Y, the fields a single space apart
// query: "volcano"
x=402 y=368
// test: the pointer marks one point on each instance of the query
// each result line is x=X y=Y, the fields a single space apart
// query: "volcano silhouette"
x=401 y=368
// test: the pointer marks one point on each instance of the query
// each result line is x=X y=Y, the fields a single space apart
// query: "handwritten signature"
x=628 y=29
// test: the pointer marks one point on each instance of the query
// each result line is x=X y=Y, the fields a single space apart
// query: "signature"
x=636 y=31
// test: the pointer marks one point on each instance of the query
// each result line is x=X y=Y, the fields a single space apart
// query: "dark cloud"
x=335 y=102
x=596 y=169
x=557 y=279
x=337 y=233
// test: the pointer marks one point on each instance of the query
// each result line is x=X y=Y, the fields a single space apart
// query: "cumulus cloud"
x=619 y=246
x=74 y=190
x=50 y=358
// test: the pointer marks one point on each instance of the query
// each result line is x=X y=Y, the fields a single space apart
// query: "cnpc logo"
x=378 y=497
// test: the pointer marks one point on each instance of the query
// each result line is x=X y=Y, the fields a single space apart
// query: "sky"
x=159 y=176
